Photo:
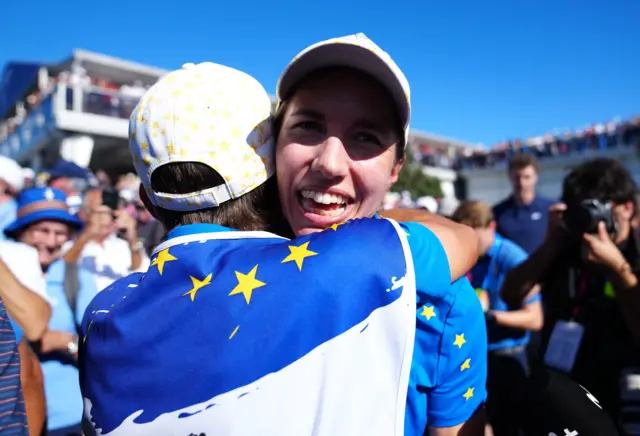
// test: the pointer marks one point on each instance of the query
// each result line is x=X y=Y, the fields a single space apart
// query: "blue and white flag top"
x=246 y=333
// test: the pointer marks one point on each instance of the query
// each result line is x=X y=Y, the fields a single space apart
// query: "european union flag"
x=242 y=333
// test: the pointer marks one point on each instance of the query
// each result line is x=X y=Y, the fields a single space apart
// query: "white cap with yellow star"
x=357 y=52
x=210 y=114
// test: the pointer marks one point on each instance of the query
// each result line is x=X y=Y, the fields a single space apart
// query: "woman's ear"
x=395 y=171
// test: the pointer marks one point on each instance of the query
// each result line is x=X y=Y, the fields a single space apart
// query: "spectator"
x=11 y=182
x=32 y=381
x=22 y=288
x=590 y=310
x=30 y=370
x=71 y=179
x=522 y=217
x=45 y=224
x=108 y=246
x=507 y=328
x=12 y=409
x=150 y=230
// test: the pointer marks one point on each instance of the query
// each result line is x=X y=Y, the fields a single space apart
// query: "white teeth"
x=308 y=206
x=324 y=198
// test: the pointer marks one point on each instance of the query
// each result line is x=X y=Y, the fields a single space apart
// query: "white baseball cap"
x=210 y=114
x=11 y=173
x=353 y=51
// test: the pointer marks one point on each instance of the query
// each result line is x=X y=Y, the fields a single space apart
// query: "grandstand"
x=78 y=109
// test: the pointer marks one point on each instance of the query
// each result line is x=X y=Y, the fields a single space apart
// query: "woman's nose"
x=332 y=159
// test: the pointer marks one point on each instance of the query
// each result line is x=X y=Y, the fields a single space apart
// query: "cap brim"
x=49 y=215
x=345 y=55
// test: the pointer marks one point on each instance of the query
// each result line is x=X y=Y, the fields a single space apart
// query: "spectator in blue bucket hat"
x=45 y=223
x=40 y=204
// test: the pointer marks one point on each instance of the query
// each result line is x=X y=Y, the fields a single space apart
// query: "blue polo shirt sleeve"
x=429 y=258
x=513 y=255
x=461 y=373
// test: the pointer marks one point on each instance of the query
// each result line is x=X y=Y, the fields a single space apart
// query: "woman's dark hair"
x=256 y=210
x=281 y=109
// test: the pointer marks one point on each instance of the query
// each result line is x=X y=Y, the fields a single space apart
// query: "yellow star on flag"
x=467 y=395
x=299 y=254
x=197 y=285
x=335 y=226
x=428 y=312
x=466 y=365
x=460 y=341
x=247 y=283
x=163 y=257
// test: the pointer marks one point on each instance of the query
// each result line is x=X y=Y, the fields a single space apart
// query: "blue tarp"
x=17 y=78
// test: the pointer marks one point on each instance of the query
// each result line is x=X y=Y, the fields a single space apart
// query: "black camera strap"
x=578 y=290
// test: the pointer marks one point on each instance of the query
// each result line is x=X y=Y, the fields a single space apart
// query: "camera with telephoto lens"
x=585 y=216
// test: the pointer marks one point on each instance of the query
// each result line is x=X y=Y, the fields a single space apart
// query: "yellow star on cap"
x=467 y=395
x=460 y=341
x=163 y=257
x=144 y=145
x=428 y=312
x=466 y=365
x=247 y=283
x=299 y=254
x=197 y=285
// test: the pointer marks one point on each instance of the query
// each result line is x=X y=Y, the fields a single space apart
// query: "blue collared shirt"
x=61 y=385
x=524 y=224
x=488 y=275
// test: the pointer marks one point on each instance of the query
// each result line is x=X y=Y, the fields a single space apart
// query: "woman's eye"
x=367 y=137
x=308 y=126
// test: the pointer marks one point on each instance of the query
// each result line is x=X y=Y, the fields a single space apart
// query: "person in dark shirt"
x=522 y=217
x=588 y=283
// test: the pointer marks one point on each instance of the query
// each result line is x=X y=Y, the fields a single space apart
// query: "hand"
x=128 y=225
x=56 y=340
x=99 y=219
x=600 y=249
x=555 y=229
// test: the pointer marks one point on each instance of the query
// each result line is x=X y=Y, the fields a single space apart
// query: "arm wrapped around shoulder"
x=459 y=241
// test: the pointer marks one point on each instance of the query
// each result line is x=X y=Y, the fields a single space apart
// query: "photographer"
x=588 y=268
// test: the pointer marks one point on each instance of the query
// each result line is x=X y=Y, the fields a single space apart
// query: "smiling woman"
x=338 y=138
x=341 y=128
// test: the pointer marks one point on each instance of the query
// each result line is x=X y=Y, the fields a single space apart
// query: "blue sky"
x=480 y=71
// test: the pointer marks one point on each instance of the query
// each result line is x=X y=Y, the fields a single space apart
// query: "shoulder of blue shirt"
x=507 y=203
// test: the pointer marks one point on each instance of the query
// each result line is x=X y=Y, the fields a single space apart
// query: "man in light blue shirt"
x=45 y=224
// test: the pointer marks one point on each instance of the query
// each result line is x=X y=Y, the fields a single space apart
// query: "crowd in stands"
x=99 y=96
x=600 y=136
